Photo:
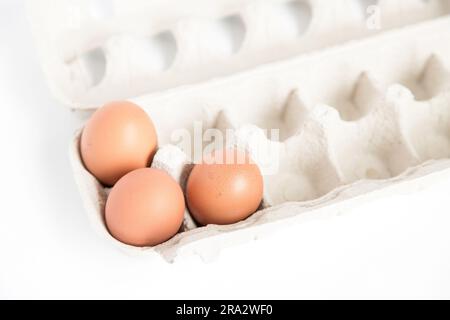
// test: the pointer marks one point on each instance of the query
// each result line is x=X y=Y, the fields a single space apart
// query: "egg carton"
x=100 y=50
x=362 y=111
x=357 y=121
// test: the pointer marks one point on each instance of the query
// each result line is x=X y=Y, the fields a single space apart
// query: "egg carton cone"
x=354 y=122
x=95 y=51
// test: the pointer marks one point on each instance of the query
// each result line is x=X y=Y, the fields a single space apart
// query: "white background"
x=397 y=247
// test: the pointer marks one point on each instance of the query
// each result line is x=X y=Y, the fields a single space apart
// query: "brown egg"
x=145 y=208
x=119 y=138
x=224 y=192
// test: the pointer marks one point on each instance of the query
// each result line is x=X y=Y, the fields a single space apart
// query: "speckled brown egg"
x=119 y=138
x=225 y=188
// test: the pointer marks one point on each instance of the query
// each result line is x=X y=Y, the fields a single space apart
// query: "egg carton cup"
x=357 y=121
x=100 y=50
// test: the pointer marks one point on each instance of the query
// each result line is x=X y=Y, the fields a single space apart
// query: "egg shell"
x=119 y=138
x=145 y=208
x=226 y=188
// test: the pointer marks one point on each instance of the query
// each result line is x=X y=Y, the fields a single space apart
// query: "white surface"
x=398 y=247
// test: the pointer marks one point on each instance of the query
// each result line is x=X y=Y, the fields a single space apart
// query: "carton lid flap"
x=94 y=51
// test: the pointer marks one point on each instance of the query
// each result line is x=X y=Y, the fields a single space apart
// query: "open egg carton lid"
x=95 y=51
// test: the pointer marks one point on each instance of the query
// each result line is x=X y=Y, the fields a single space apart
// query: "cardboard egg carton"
x=351 y=128
x=357 y=119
